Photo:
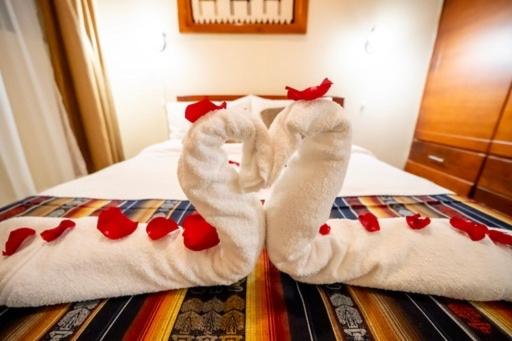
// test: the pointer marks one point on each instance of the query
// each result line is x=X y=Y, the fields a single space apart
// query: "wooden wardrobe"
x=463 y=138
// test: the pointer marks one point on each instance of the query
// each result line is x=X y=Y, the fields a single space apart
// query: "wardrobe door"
x=469 y=75
x=502 y=143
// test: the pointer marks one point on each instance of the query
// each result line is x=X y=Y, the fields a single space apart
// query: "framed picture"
x=243 y=16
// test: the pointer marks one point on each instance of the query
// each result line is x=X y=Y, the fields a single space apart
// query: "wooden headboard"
x=193 y=98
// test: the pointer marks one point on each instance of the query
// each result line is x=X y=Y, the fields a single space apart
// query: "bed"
x=267 y=305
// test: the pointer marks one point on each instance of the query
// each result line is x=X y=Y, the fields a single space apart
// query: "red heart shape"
x=54 y=233
x=310 y=93
x=500 y=237
x=475 y=231
x=369 y=221
x=196 y=110
x=416 y=222
x=16 y=238
x=324 y=229
x=114 y=224
x=160 y=227
x=198 y=234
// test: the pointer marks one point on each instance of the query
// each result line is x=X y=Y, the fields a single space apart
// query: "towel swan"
x=435 y=260
x=83 y=264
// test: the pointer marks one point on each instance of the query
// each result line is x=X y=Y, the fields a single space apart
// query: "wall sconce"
x=370 y=44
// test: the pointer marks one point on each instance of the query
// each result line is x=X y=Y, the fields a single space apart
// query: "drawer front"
x=456 y=162
x=459 y=186
x=497 y=176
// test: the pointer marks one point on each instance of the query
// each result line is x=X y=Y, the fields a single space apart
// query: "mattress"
x=152 y=174
x=267 y=305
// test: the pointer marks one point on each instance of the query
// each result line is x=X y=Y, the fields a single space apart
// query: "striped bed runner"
x=267 y=305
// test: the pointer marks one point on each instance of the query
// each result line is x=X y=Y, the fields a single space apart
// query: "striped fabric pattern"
x=267 y=305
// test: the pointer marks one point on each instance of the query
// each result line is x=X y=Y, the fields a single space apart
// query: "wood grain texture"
x=470 y=74
x=298 y=26
x=457 y=162
x=502 y=142
x=494 y=200
x=497 y=176
x=193 y=98
x=458 y=185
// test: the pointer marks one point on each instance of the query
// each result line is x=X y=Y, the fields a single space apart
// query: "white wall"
x=382 y=90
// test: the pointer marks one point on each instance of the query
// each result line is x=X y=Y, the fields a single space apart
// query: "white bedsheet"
x=152 y=175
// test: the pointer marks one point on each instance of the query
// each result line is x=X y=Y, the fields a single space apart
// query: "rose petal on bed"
x=500 y=237
x=310 y=93
x=324 y=229
x=54 y=233
x=369 y=221
x=114 y=224
x=196 y=110
x=231 y=162
x=475 y=231
x=160 y=227
x=16 y=238
x=416 y=222
x=198 y=234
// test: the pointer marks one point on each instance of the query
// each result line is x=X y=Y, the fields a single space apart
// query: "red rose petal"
x=196 y=110
x=16 y=238
x=475 y=231
x=416 y=222
x=198 y=234
x=310 y=93
x=114 y=224
x=500 y=237
x=324 y=229
x=231 y=162
x=54 y=233
x=370 y=222
x=160 y=227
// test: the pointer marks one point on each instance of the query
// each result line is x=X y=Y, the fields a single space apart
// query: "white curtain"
x=37 y=147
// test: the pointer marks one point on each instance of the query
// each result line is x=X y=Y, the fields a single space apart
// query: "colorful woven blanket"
x=267 y=305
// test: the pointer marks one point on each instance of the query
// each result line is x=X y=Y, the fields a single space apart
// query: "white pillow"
x=177 y=123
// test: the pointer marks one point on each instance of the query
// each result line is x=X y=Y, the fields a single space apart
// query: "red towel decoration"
x=198 y=234
x=114 y=224
x=474 y=230
x=324 y=229
x=500 y=237
x=370 y=222
x=160 y=227
x=416 y=222
x=310 y=93
x=196 y=110
x=54 y=233
x=16 y=238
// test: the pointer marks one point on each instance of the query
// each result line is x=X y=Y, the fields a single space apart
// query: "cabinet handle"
x=435 y=158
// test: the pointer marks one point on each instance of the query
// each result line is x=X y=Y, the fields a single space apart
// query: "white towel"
x=435 y=260
x=83 y=264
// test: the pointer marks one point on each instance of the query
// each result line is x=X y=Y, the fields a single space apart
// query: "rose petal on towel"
x=114 y=224
x=475 y=231
x=196 y=110
x=159 y=227
x=416 y=222
x=369 y=221
x=231 y=162
x=324 y=229
x=310 y=93
x=198 y=234
x=16 y=238
x=54 y=233
x=500 y=237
